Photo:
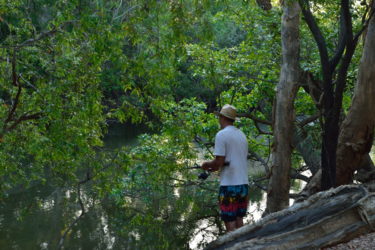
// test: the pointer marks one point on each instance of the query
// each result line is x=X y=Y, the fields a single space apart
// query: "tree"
x=357 y=130
x=334 y=77
x=279 y=184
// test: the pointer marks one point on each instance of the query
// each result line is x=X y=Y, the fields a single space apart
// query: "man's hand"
x=215 y=164
x=206 y=165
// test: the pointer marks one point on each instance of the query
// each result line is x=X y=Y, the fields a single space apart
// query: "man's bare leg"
x=233 y=225
x=230 y=225
x=239 y=222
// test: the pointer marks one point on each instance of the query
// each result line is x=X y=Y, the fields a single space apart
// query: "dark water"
x=123 y=134
x=36 y=218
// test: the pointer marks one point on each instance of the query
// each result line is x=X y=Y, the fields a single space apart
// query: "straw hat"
x=228 y=111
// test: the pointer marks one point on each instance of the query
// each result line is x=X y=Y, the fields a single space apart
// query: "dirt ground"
x=364 y=242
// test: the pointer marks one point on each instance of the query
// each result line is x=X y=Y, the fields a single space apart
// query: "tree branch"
x=349 y=52
x=313 y=87
x=318 y=36
x=343 y=35
x=39 y=37
x=254 y=118
x=24 y=117
x=16 y=100
x=29 y=83
x=200 y=141
x=260 y=159
x=13 y=109
x=262 y=131
x=299 y=176
x=308 y=120
x=365 y=25
x=14 y=74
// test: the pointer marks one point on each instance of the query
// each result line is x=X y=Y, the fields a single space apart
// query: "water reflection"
x=27 y=215
x=37 y=218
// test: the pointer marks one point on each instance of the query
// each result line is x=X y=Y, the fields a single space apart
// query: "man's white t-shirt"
x=231 y=143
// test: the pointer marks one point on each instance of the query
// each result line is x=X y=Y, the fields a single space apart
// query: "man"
x=231 y=146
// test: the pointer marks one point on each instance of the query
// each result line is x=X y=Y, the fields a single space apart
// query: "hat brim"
x=218 y=113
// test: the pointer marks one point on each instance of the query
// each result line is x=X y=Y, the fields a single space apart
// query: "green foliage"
x=167 y=64
x=59 y=79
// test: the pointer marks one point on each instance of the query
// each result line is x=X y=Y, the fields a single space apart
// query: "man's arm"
x=215 y=164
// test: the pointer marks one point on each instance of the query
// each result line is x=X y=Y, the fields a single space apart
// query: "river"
x=36 y=218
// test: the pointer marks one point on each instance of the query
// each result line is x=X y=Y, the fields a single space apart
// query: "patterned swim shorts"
x=233 y=201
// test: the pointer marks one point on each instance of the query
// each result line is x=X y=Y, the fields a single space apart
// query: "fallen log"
x=325 y=219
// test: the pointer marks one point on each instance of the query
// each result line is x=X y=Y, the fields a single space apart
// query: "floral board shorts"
x=233 y=201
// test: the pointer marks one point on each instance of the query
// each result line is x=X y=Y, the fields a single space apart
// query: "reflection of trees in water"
x=30 y=217
x=37 y=218
x=163 y=218
x=140 y=213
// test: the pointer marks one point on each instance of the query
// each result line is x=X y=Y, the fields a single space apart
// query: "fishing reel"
x=203 y=176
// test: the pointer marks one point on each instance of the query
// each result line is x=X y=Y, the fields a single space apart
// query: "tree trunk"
x=366 y=173
x=329 y=146
x=325 y=219
x=357 y=131
x=278 y=189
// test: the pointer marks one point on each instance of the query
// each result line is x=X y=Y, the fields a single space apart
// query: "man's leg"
x=239 y=222
x=243 y=202
x=233 y=225
x=226 y=208
x=230 y=225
